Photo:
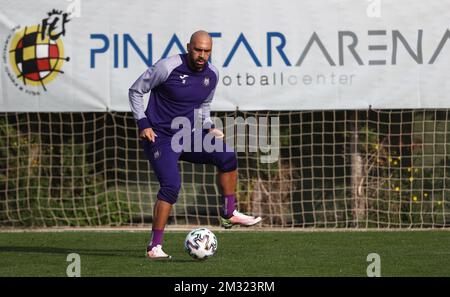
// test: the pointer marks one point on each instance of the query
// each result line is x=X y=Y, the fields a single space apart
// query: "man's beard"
x=198 y=67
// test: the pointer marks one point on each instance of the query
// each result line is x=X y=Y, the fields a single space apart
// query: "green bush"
x=402 y=188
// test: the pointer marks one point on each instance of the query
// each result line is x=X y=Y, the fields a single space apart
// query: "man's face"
x=199 y=51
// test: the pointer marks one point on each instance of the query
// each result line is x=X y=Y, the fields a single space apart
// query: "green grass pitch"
x=248 y=253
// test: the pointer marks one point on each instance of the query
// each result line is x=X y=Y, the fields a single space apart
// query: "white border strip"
x=214 y=228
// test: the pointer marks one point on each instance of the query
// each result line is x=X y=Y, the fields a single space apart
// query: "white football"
x=201 y=244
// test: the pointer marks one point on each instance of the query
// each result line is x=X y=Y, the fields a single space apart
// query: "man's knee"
x=169 y=192
x=227 y=162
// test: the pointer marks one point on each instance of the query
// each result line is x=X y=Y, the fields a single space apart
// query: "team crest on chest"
x=206 y=81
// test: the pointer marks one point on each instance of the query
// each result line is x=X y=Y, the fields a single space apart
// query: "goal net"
x=335 y=169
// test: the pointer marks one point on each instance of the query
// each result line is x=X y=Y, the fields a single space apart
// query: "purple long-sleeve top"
x=175 y=90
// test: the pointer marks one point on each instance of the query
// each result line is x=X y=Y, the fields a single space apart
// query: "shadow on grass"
x=174 y=260
x=57 y=250
x=89 y=252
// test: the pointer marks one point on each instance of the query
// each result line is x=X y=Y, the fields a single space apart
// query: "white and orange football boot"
x=156 y=253
x=239 y=218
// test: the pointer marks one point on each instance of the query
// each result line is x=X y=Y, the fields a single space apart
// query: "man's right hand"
x=148 y=134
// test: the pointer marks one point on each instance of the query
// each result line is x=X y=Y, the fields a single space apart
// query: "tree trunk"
x=358 y=197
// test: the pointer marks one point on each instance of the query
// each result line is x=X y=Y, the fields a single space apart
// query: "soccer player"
x=179 y=85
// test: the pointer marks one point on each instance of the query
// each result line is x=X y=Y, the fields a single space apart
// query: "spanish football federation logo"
x=36 y=53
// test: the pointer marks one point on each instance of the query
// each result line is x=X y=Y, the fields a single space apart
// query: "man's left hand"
x=217 y=133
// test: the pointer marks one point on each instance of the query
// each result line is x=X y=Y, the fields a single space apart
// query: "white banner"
x=80 y=55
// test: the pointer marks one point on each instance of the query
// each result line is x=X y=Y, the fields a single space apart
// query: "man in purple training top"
x=179 y=86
